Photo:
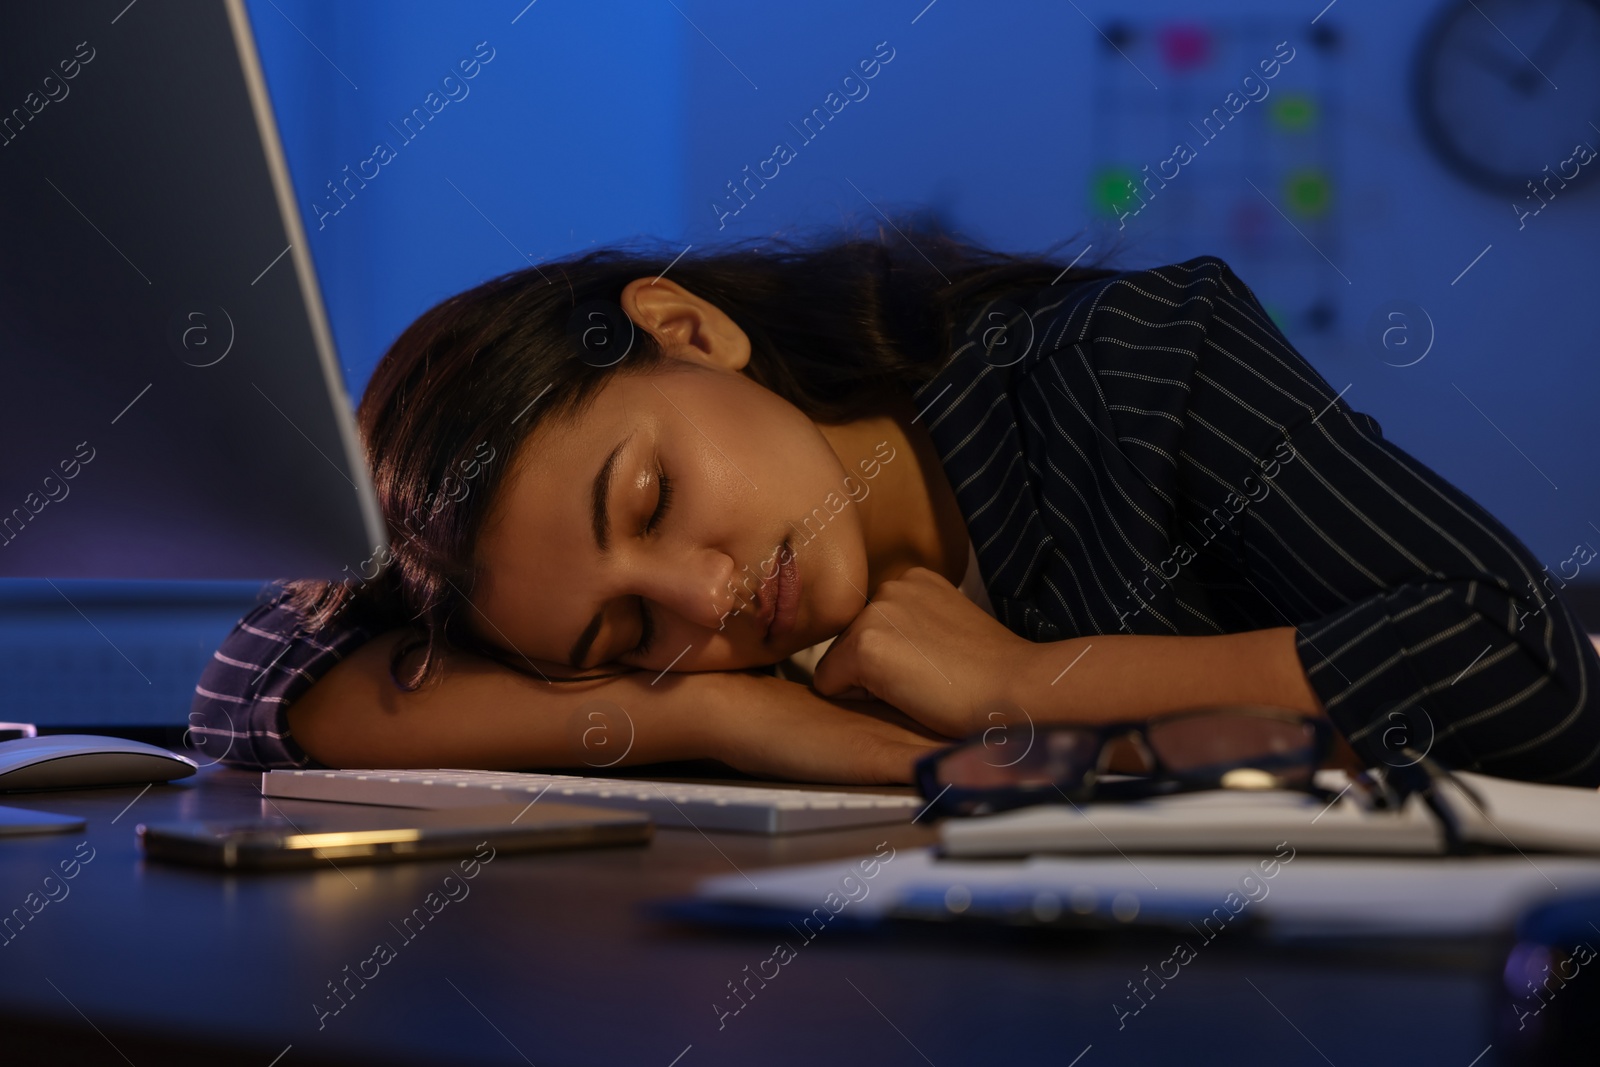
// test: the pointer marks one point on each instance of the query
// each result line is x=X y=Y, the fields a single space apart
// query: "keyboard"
x=744 y=809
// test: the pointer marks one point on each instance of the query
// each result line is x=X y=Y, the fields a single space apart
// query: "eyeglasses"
x=1416 y=773
x=1231 y=747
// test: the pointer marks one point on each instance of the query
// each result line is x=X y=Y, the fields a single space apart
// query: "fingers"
x=891 y=758
x=793 y=733
x=835 y=674
x=898 y=764
x=856 y=658
x=841 y=670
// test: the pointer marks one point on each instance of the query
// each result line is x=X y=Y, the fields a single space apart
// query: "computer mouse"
x=78 y=761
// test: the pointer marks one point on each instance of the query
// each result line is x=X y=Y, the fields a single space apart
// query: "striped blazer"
x=1145 y=453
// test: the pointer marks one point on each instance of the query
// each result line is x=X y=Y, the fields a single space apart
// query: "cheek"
x=833 y=568
x=773 y=435
x=761 y=468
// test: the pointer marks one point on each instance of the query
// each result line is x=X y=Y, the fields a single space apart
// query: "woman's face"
x=582 y=541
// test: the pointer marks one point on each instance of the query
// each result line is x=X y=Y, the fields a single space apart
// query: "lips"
x=777 y=599
x=786 y=594
x=767 y=604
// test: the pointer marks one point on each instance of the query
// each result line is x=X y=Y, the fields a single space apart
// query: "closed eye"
x=663 y=499
x=646 y=626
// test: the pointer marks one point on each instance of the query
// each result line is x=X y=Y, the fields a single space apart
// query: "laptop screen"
x=175 y=405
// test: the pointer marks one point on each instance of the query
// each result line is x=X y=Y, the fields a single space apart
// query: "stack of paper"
x=1514 y=815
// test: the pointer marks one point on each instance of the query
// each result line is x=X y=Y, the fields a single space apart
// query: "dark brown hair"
x=832 y=322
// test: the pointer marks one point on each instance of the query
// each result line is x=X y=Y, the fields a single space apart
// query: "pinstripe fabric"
x=1161 y=461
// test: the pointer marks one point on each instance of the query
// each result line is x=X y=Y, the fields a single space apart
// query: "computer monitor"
x=173 y=407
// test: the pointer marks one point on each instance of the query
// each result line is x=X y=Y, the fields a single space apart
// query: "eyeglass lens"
x=1053 y=755
x=1189 y=745
x=1197 y=745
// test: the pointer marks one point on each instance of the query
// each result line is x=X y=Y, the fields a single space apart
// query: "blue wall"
x=596 y=122
x=570 y=135
x=601 y=121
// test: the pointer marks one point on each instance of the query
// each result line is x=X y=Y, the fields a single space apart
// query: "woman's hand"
x=923 y=647
x=781 y=729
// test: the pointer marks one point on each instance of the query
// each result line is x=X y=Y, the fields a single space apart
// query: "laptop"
x=176 y=408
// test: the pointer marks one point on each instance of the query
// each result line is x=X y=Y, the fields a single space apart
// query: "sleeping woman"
x=811 y=510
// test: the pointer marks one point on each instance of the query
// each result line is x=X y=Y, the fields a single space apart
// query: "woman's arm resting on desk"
x=481 y=714
x=926 y=649
x=986 y=669
x=1411 y=605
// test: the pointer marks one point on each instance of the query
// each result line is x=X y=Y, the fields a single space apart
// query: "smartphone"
x=361 y=834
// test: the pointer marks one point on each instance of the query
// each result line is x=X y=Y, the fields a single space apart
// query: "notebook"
x=1514 y=815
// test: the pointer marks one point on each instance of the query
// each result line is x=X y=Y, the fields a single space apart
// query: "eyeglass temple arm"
x=1425 y=777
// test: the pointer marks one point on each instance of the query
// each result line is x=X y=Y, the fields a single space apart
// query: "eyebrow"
x=601 y=519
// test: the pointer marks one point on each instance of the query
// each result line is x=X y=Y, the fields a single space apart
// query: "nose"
x=696 y=586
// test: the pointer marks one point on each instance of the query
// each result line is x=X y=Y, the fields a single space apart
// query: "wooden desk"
x=549 y=961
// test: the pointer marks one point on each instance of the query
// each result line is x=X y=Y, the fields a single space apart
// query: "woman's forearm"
x=480 y=714
x=1111 y=677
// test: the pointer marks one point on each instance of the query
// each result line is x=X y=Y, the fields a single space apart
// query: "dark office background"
x=1021 y=124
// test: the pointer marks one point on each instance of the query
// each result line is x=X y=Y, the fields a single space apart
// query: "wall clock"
x=1506 y=88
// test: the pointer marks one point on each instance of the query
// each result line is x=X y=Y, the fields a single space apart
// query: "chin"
x=833 y=598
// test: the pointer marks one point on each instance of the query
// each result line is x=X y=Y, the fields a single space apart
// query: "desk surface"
x=549 y=960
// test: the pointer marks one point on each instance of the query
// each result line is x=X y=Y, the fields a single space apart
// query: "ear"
x=685 y=326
